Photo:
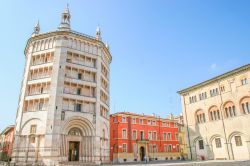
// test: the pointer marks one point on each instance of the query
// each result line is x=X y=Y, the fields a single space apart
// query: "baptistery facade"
x=63 y=110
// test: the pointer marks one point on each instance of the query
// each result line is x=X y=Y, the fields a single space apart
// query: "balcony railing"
x=41 y=62
x=36 y=77
x=37 y=93
x=73 y=92
x=33 y=109
x=72 y=77
x=81 y=63
x=92 y=111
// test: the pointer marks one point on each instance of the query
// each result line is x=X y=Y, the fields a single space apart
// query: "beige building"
x=217 y=116
x=182 y=137
x=63 y=111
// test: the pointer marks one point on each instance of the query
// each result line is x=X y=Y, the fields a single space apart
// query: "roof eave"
x=217 y=78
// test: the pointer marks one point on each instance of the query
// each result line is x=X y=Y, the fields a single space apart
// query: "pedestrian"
x=145 y=159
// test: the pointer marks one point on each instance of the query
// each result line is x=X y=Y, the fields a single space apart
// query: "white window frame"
x=124 y=119
x=135 y=134
x=124 y=151
x=125 y=134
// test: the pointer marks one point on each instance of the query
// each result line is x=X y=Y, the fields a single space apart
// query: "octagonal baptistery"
x=63 y=106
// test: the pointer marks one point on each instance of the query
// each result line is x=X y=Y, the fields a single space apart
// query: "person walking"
x=145 y=159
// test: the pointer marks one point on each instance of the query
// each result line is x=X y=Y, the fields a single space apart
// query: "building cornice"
x=72 y=33
x=142 y=116
x=217 y=78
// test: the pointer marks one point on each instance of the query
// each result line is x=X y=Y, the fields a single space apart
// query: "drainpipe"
x=190 y=150
x=222 y=119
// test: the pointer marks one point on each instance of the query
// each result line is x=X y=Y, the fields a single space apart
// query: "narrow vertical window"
x=230 y=111
x=124 y=148
x=204 y=118
x=238 y=141
x=169 y=136
x=134 y=135
x=78 y=91
x=234 y=112
x=201 y=145
x=215 y=117
x=33 y=129
x=226 y=111
x=78 y=107
x=124 y=134
x=198 y=119
x=164 y=136
x=79 y=76
x=243 y=108
x=218 y=114
x=62 y=115
x=217 y=142
x=248 y=107
x=211 y=115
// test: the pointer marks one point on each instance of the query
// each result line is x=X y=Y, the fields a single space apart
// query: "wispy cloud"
x=213 y=66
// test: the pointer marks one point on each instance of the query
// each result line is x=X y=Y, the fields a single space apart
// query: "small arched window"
x=200 y=116
x=34 y=47
x=229 y=110
x=245 y=105
x=46 y=44
x=42 y=45
x=214 y=113
x=50 y=43
x=244 y=81
x=38 y=47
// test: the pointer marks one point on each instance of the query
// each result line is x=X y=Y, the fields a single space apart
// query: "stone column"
x=26 y=148
x=230 y=151
x=37 y=147
x=84 y=148
x=92 y=149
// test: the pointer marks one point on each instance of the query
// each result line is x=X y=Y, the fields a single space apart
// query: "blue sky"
x=158 y=47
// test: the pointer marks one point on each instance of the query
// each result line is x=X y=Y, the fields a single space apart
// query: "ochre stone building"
x=134 y=136
x=182 y=137
x=63 y=108
x=217 y=116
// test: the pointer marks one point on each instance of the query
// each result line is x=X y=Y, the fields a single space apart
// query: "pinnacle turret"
x=36 y=29
x=65 y=19
x=98 y=33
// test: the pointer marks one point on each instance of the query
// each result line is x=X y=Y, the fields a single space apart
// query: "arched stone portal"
x=239 y=146
x=77 y=143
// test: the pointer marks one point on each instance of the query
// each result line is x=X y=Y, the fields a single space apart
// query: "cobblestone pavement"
x=180 y=163
x=190 y=163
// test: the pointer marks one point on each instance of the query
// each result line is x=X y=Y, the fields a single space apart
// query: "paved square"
x=190 y=163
